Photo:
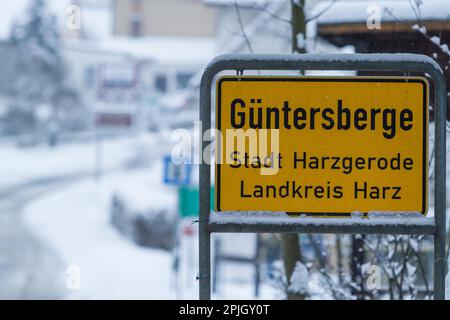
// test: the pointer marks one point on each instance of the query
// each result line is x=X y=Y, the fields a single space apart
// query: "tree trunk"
x=290 y=242
x=298 y=21
x=290 y=246
x=339 y=259
x=356 y=263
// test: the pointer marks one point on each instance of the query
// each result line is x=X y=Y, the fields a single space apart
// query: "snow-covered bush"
x=399 y=258
x=299 y=281
x=152 y=227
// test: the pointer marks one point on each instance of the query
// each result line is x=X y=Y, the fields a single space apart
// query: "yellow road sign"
x=321 y=145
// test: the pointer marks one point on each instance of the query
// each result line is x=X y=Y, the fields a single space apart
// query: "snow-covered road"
x=29 y=267
x=110 y=265
x=49 y=225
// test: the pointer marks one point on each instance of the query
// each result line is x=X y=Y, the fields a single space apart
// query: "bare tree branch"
x=415 y=8
x=232 y=32
x=241 y=24
x=421 y=30
x=273 y=15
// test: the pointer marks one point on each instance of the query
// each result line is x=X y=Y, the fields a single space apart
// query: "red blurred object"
x=113 y=120
x=188 y=231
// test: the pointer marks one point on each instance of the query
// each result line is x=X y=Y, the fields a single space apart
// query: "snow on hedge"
x=141 y=193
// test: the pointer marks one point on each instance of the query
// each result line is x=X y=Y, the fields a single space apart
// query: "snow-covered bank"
x=75 y=222
x=20 y=165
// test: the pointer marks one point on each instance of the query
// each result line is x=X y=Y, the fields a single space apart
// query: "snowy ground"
x=57 y=216
x=69 y=229
x=20 y=165
x=111 y=267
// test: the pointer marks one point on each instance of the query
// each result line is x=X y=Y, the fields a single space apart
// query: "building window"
x=136 y=21
x=161 y=83
x=183 y=79
x=137 y=5
x=136 y=26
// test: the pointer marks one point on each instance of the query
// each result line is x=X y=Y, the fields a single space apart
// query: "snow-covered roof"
x=193 y=50
x=347 y=11
x=97 y=21
x=92 y=47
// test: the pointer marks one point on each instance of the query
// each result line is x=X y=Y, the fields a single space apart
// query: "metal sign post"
x=251 y=222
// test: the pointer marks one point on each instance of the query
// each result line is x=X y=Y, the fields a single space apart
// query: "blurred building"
x=144 y=18
x=132 y=55
x=113 y=84
x=178 y=35
x=95 y=18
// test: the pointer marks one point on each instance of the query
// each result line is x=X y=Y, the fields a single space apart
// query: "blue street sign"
x=176 y=174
